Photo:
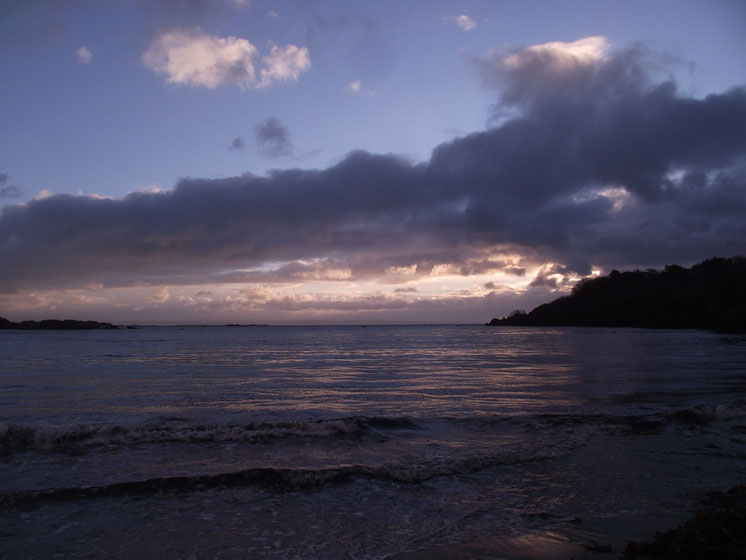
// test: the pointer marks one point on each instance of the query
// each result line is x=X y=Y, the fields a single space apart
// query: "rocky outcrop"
x=718 y=530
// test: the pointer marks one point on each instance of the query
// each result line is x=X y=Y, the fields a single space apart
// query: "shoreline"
x=587 y=539
x=715 y=528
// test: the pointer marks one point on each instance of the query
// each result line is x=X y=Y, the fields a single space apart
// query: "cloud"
x=356 y=87
x=160 y=295
x=9 y=191
x=193 y=58
x=196 y=59
x=549 y=71
x=558 y=55
x=262 y=304
x=463 y=21
x=273 y=139
x=601 y=164
x=238 y=144
x=44 y=193
x=284 y=64
x=84 y=55
x=551 y=276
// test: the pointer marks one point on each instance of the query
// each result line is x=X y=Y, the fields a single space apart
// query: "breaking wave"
x=289 y=479
x=707 y=414
x=15 y=437
x=78 y=437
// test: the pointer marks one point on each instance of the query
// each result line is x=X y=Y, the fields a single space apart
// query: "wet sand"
x=717 y=529
x=591 y=539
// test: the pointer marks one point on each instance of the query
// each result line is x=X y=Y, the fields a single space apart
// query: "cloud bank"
x=194 y=58
x=596 y=161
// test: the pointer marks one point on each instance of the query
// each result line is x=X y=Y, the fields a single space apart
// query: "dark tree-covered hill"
x=709 y=295
x=54 y=324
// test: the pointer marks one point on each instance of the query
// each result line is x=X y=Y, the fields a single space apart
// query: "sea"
x=361 y=442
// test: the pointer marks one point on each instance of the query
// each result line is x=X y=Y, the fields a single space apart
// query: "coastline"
x=54 y=325
x=707 y=296
x=715 y=528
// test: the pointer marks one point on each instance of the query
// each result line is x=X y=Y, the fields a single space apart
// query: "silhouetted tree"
x=709 y=295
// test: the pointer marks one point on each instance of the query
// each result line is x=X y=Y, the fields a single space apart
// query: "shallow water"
x=351 y=442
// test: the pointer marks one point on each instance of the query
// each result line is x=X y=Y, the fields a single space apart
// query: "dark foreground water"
x=351 y=442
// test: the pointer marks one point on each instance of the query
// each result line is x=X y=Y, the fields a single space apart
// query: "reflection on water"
x=433 y=371
x=404 y=437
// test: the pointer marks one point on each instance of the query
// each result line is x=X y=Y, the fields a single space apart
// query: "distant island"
x=709 y=295
x=54 y=324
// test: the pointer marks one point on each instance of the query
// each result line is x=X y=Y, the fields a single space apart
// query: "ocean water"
x=358 y=442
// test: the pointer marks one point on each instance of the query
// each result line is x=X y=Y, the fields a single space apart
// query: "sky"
x=347 y=162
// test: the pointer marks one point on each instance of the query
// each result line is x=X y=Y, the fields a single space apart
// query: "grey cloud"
x=610 y=168
x=547 y=277
x=9 y=191
x=273 y=139
x=237 y=144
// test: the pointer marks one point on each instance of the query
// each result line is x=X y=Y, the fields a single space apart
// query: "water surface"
x=354 y=442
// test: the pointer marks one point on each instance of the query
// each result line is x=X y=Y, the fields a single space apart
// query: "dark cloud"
x=552 y=277
x=238 y=144
x=9 y=191
x=602 y=163
x=273 y=139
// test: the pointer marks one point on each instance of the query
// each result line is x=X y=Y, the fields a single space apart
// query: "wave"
x=703 y=414
x=79 y=437
x=278 y=479
x=73 y=438
x=707 y=414
x=424 y=448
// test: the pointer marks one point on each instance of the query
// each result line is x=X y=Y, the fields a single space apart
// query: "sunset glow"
x=262 y=162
